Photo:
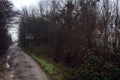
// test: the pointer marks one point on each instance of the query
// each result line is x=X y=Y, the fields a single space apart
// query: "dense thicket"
x=80 y=34
x=6 y=14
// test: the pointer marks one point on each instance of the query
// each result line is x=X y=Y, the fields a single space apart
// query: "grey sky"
x=24 y=3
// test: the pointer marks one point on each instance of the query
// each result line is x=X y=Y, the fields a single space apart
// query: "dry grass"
x=2 y=69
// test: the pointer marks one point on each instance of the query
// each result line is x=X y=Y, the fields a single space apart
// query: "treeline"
x=6 y=17
x=80 y=34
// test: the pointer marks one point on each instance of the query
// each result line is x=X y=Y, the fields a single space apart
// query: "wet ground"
x=20 y=66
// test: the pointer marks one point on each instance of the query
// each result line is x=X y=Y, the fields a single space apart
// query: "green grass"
x=49 y=68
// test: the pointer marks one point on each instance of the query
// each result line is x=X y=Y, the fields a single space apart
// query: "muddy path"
x=20 y=66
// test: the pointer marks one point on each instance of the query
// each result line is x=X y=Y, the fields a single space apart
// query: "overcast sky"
x=24 y=3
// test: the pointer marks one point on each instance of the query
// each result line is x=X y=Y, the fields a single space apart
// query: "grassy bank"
x=2 y=70
x=49 y=68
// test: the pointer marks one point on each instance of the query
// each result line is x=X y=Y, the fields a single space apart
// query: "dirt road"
x=20 y=66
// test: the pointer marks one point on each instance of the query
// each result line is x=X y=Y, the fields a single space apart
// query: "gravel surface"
x=20 y=66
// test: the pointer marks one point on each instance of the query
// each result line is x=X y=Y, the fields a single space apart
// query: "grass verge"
x=2 y=70
x=49 y=68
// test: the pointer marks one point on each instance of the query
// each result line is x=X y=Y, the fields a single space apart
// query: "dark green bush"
x=97 y=68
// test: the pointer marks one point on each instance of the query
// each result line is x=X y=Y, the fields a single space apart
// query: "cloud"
x=24 y=3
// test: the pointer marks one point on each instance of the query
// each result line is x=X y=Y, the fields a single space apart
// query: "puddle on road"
x=11 y=76
x=7 y=66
